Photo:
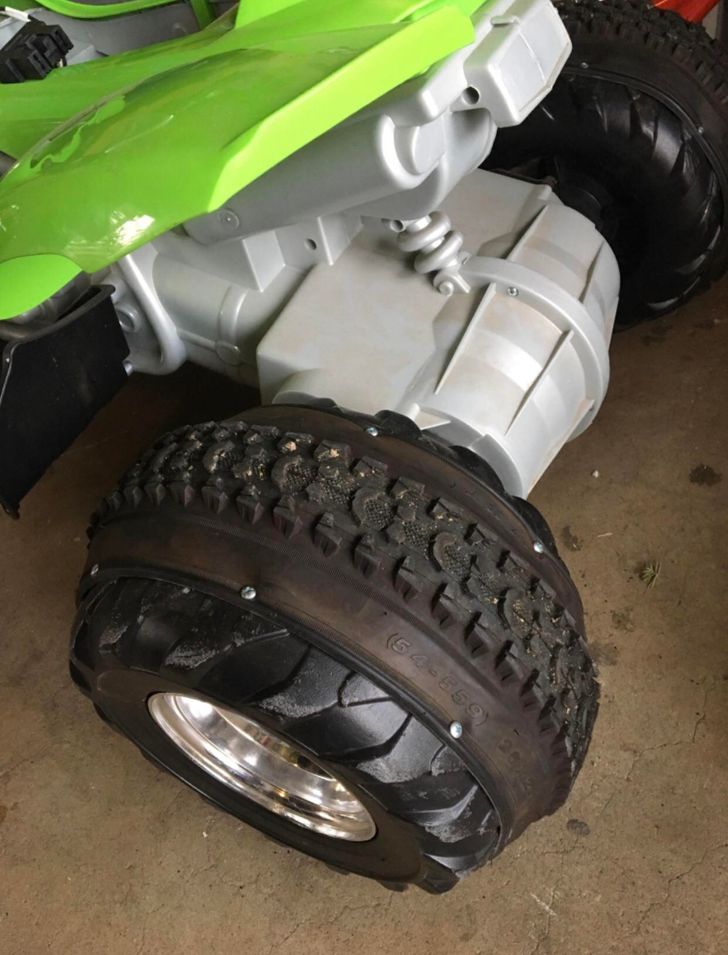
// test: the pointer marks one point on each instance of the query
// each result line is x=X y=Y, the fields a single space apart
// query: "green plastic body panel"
x=114 y=152
x=103 y=11
x=98 y=11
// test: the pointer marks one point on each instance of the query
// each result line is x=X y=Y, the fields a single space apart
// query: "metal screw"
x=512 y=291
x=701 y=130
x=128 y=367
x=456 y=729
x=374 y=432
x=584 y=65
x=595 y=473
x=94 y=570
x=248 y=593
x=446 y=288
x=538 y=547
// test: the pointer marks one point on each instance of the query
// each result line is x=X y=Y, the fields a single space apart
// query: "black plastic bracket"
x=35 y=50
x=52 y=383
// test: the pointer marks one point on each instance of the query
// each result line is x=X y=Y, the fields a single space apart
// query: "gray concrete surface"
x=101 y=853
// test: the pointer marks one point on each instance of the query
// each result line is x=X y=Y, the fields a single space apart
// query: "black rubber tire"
x=385 y=611
x=635 y=136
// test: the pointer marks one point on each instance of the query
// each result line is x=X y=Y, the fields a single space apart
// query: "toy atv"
x=342 y=624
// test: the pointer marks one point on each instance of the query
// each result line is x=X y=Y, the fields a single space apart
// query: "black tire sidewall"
x=392 y=855
x=618 y=57
x=674 y=84
x=667 y=80
x=507 y=754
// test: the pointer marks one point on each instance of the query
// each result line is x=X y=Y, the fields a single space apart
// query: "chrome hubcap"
x=252 y=760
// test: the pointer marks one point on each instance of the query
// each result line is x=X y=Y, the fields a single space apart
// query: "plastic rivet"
x=456 y=729
x=248 y=593
x=538 y=547
x=229 y=219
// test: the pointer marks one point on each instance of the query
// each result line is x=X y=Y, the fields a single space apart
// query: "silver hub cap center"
x=257 y=763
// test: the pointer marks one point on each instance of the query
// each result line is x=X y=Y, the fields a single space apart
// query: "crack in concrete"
x=347 y=908
x=656 y=903
x=553 y=893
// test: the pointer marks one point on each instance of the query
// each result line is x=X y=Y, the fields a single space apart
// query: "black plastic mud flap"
x=52 y=383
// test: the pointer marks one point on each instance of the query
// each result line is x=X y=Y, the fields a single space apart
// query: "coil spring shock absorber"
x=438 y=249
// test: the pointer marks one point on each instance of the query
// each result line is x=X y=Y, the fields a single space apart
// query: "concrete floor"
x=101 y=853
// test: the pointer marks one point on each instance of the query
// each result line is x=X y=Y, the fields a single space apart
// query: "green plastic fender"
x=115 y=152
x=80 y=10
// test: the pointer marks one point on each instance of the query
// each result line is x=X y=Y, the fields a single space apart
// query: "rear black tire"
x=397 y=592
x=635 y=136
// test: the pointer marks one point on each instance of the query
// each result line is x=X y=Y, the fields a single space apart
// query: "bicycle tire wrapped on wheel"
x=342 y=632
